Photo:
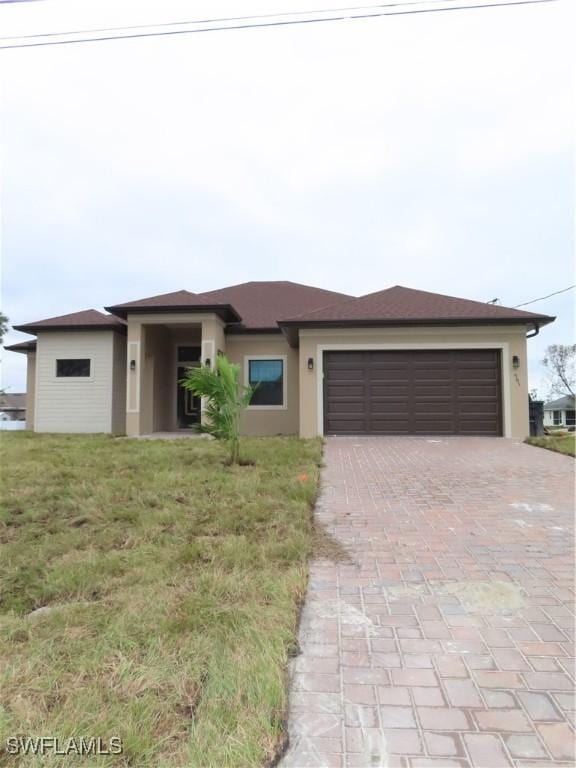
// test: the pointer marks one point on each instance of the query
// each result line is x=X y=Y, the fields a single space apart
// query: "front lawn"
x=560 y=443
x=168 y=587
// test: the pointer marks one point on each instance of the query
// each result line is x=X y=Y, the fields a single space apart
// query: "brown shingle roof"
x=405 y=305
x=179 y=301
x=88 y=319
x=22 y=346
x=262 y=304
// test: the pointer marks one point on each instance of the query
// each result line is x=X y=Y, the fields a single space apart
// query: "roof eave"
x=120 y=328
x=22 y=346
x=225 y=311
x=234 y=330
x=377 y=322
x=290 y=328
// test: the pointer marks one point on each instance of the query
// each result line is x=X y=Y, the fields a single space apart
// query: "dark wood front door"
x=436 y=392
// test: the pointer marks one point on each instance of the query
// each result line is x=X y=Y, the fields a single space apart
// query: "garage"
x=413 y=392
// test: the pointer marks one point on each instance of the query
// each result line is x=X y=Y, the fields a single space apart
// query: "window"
x=267 y=375
x=557 y=417
x=188 y=354
x=570 y=418
x=73 y=367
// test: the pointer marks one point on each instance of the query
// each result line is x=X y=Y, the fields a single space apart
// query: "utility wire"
x=545 y=297
x=291 y=22
x=311 y=12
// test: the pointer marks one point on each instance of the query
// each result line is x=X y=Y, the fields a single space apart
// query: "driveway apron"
x=438 y=627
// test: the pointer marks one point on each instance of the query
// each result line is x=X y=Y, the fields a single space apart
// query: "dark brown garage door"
x=437 y=392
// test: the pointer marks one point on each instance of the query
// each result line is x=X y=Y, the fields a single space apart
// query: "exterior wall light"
x=310 y=363
x=132 y=365
x=515 y=361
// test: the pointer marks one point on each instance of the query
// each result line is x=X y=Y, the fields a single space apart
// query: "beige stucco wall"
x=30 y=389
x=511 y=339
x=269 y=421
x=119 y=384
x=74 y=404
x=151 y=385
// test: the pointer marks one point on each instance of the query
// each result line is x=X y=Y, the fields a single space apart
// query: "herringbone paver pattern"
x=446 y=636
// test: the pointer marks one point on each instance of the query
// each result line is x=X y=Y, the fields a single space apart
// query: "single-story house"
x=13 y=406
x=394 y=362
x=560 y=412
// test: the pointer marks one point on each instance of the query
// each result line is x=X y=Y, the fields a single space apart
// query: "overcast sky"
x=432 y=151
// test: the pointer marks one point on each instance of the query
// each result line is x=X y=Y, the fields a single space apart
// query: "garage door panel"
x=428 y=408
x=339 y=407
x=465 y=391
x=347 y=390
x=380 y=408
x=478 y=407
x=476 y=374
x=415 y=392
x=349 y=426
x=392 y=374
x=398 y=389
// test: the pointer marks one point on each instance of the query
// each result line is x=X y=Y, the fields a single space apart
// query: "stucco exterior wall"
x=30 y=389
x=281 y=421
x=82 y=404
x=119 y=384
x=151 y=384
x=510 y=339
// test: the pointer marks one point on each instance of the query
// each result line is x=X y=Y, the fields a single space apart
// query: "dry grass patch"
x=168 y=587
x=559 y=443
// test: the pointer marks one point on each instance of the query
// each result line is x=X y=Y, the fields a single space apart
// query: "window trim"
x=284 y=359
x=557 y=418
x=90 y=376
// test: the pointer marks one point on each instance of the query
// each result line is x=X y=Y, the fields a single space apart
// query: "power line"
x=545 y=297
x=310 y=12
x=290 y=22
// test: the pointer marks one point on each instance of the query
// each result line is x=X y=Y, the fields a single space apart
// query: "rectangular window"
x=557 y=417
x=73 y=367
x=570 y=418
x=188 y=354
x=268 y=378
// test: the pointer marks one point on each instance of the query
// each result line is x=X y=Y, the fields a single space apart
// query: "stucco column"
x=213 y=341
x=135 y=348
x=308 y=388
x=30 y=389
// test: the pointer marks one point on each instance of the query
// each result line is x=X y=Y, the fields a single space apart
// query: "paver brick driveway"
x=445 y=636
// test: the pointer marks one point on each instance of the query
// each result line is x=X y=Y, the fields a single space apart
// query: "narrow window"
x=570 y=418
x=268 y=378
x=73 y=367
x=557 y=417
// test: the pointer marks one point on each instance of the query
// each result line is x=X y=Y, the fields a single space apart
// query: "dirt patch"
x=486 y=596
x=325 y=545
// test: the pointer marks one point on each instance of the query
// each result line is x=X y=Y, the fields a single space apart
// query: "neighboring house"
x=394 y=362
x=13 y=406
x=560 y=412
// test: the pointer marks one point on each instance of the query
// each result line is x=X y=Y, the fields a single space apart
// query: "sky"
x=433 y=151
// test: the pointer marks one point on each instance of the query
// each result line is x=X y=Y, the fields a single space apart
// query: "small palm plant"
x=225 y=398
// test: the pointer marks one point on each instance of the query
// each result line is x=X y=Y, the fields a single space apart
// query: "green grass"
x=173 y=585
x=559 y=443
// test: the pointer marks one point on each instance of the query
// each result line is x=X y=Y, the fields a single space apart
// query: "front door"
x=187 y=404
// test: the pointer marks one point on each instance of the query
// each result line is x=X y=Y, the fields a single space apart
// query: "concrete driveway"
x=439 y=630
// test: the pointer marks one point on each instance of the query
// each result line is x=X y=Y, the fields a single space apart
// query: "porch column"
x=135 y=384
x=213 y=341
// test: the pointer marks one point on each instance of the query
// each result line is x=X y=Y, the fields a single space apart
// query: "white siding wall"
x=74 y=404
